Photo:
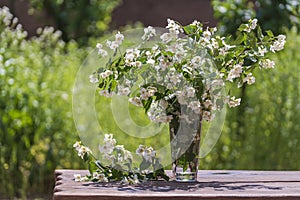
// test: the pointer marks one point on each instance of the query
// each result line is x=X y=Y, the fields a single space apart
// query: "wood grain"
x=212 y=184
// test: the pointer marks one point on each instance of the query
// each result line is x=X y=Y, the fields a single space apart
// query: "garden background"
x=38 y=70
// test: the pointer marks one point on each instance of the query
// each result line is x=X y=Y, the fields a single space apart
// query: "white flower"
x=195 y=106
x=112 y=44
x=217 y=83
x=151 y=62
x=196 y=23
x=214 y=43
x=163 y=103
x=253 y=24
x=181 y=97
x=106 y=74
x=123 y=91
x=173 y=26
x=162 y=118
x=82 y=151
x=93 y=78
x=148 y=33
x=140 y=149
x=155 y=48
x=235 y=72
x=151 y=91
x=106 y=148
x=214 y=29
x=190 y=92
x=144 y=94
x=207 y=103
x=101 y=51
x=262 y=51
x=250 y=79
x=77 y=177
x=136 y=101
x=233 y=102
x=166 y=37
x=100 y=177
x=131 y=56
x=277 y=46
x=223 y=51
x=206 y=34
x=175 y=78
x=267 y=64
x=99 y=46
x=120 y=147
x=148 y=54
x=120 y=158
x=95 y=175
x=109 y=144
x=105 y=93
x=109 y=138
x=148 y=154
x=197 y=61
x=163 y=64
x=119 y=38
x=207 y=116
x=77 y=145
x=109 y=157
x=137 y=64
x=127 y=155
x=281 y=38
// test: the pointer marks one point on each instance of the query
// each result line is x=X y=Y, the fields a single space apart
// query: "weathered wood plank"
x=212 y=184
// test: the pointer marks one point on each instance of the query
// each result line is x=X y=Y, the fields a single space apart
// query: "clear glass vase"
x=185 y=145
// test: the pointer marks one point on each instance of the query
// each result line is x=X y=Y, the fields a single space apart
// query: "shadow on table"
x=163 y=186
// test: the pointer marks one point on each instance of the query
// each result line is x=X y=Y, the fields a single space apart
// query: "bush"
x=275 y=15
x=264 y=132
x=78 y=19
x=36 y=125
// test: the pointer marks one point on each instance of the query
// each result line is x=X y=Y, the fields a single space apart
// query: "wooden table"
x=213 y=184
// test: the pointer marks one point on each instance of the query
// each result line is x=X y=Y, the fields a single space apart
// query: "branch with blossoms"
x=187 y=66
x=117 y=163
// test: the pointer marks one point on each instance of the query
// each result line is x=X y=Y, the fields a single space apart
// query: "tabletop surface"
x=212 y=184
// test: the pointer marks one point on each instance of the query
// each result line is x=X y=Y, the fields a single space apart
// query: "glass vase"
x=185 y=145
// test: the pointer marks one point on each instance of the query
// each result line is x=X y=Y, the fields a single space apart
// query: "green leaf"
x=86 y=157
x=92 y=167
x=189 y=29
x=259 y=33
x=147 y=104
x=99 y=165
x=270 y=33
x=240 y=39
x=243 y=27
x=161 y=173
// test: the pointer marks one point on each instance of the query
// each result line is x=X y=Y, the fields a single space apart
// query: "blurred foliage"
x=275 y=15
x=264 y=132
x=78 y=19
x=36 y=125
x=37 y=129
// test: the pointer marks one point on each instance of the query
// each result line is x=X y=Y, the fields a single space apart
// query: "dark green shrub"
x=272 y=15
x=78 y=19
